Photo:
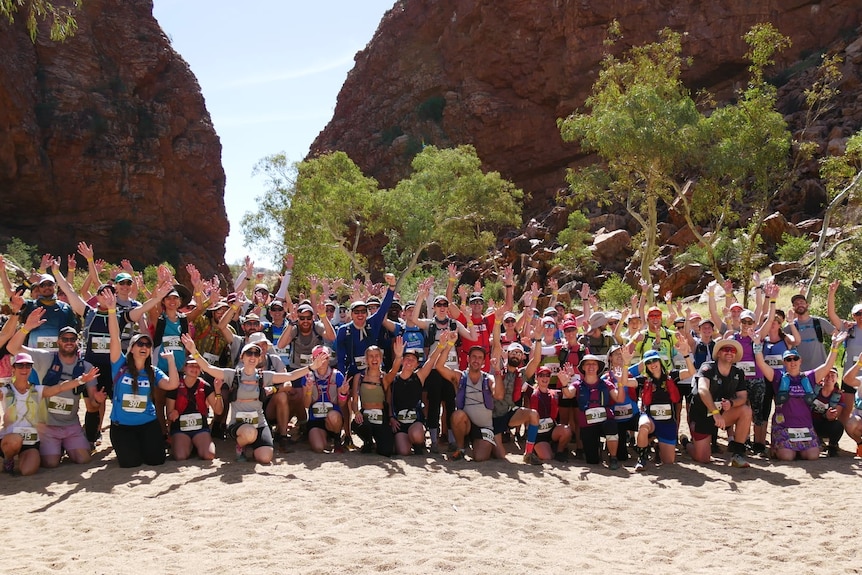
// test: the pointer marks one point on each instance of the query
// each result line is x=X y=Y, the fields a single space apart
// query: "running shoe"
x=641 y=464
x=738 y=460
x=613 y=464
x=457 y=455
x=435 y=447
x=859 y=450
x=8 y=465
x=562 y=456
x=532 y=459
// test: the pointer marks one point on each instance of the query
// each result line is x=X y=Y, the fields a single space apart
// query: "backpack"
x=160 y=328
x=237 y=380
x=487 y=396
x=199 y=391
x=52 y=376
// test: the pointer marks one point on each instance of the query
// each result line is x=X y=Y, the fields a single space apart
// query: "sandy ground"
x=349 y=512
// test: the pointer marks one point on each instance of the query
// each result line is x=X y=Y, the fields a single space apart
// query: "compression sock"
x=451 y=436
x=435 y=434
x=532 y=433
x=736 y=447
x=91 y=426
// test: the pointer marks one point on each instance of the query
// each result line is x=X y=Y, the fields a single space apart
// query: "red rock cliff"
x=498 y=74
x=106 y=138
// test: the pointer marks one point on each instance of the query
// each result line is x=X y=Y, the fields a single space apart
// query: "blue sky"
x=270 y=72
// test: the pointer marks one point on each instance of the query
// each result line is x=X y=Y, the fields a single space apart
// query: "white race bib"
x=798 y=434
x=249 y=417
x=321 y=408
x=406 y=416
x=747 y=367
x=47 y=342
x=553 y=366
x=359 y=360
x=60 y=405
x=546 y=424
x=623 y=411
x=211 y=358
x=487 y=434
x=191 y=422
x=374 y=416
x=100 y=344
x=30 y=435
x=661 y=411
x=304 y=359
x=172 y=343
x=596 y=415
x=134 y=403
x=773 y=360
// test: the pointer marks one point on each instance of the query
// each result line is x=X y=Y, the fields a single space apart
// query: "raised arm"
x=206 y=367
x=834 y=319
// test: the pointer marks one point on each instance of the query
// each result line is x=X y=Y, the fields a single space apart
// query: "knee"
x=534 y=417
x=460 y=418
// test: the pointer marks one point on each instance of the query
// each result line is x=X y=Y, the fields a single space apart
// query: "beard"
x=514 y=362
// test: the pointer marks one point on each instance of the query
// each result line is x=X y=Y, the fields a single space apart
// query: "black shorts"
x=320 y=424
x=847 y=389
x=501 y=423
x=264 y=435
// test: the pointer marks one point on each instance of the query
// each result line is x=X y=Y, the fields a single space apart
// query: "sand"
x=333 y=513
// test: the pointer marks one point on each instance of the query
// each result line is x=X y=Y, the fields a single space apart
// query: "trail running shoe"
x=640 y=465
x=738 y=460
x=614 y=464
x=532 y=458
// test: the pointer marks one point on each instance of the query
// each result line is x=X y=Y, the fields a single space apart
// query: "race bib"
x=100 y=344
x=30 y=435
x=406 y=416
x=546 y=424
x=134 y=403
x=855 y=359
x=191 y=422
x=773 y=360
x=747 y=367
x=321 y=408
x=304 y=359
x=554 y=367
x=623 y=411
x=374 y=416
x=359 y=360
x=819 y=406
x=452 y=359
x=249 y=417
x=211 y=358
x=798 y=434
x=661 y=411
x=172 y=343
x=596 y=415
x=47 y=342
x=60 y=405
x=487 y=434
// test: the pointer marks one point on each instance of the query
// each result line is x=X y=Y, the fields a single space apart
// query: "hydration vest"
x=199 y=391
x=487 y=396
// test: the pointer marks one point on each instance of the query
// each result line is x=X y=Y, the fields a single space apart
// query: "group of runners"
x=185 y=368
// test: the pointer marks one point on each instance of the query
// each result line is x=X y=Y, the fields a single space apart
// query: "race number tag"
x=60 y=405
x=623 y=411
x=596 y=415
x=172 y=343
x=406 y=416
x=191 y=422
x=798 y=434
x=249 y=417
x=30 y=435
x=359 y=360
x=747 y=367
x=211 y=358
x=773 y=360
x=553 y=366
x=374 y=416
x=134 y=403
x=100 y=344
x=487 y=434
x=304 y=359
x=661 y=411
x=452 y=359
x=546 y=424
x=47 y=342
x=321 y=408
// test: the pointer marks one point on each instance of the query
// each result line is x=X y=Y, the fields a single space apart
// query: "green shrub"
x=616 y=293
x=793 y=248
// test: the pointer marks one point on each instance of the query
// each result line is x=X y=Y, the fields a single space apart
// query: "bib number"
x=134 y=403
x=172 y=343
x=211 y=358
x=47 y=342
x=321 y=408
x=798 y=434
x=191 y=422
x=60 y=405
x=30 y=435
x=487 y=434
x=304 y=359
x=374 y=416
x=452 y=359
x=546 y=424
x=406 y=416
x=661 y=411
x=100 y=344
x=596 y=415
x=773 y=360
x=360 y=362
x=747 y=367
x=623 y=411
x=249 y=417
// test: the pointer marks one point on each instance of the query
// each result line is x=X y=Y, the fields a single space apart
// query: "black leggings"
x=829 y=430
x=590 y=435
x=439 y=390
x=381 y=434
x=138 y=444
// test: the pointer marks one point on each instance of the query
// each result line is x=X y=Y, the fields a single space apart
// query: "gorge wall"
x=105 y=138
x=498 y=73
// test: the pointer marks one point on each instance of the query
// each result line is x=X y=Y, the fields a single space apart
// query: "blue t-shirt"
x=130 y=407
x=171 y=342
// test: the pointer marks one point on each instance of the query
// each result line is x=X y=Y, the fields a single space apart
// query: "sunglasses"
x=276 y=309
x=253 y=352
x=789 y=359
x=651 y=361
x=306 y=318
x=360 y=311
x=570 y=329
x=143 y=343
x=68 y=339
x=654 y=315
x=253 y=322
x=510 y=320
x=23 y=365
x=747 y=322
x=727 y=349
x=125 y=282
x=858 y=313
x=441 y=304
x=46 y=284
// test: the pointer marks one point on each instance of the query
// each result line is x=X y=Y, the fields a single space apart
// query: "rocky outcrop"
x=499 y=73
x=106 y=138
